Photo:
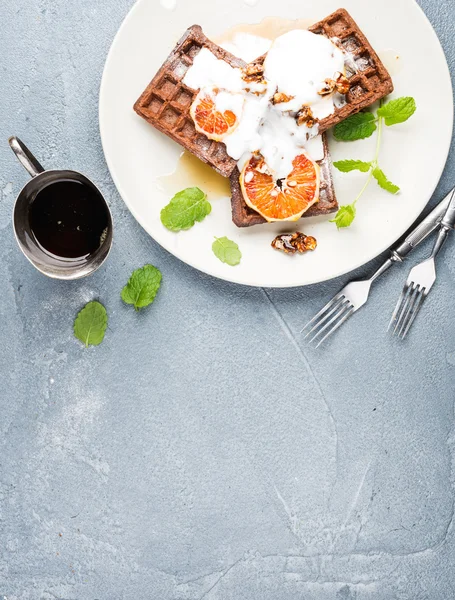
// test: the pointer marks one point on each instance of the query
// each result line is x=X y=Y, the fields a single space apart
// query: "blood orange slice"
x=280 y=199
x=216 y=112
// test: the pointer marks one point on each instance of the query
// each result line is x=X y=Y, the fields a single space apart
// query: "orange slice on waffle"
x=216 y=112
x=280 y=199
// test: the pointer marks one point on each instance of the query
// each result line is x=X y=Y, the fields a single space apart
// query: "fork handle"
x=448 y=220
x=442 y=236
x=447 y=223
x=420 y=233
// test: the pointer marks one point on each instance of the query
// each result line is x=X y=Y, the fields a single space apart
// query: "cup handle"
x=25 y=157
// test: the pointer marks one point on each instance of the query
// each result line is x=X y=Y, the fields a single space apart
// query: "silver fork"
x=355 y=294
x=420 y=280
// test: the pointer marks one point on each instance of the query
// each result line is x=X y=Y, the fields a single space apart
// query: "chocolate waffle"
x=244 y=216
x=166 y=102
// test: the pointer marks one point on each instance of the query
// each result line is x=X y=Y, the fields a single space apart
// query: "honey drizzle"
x=269 y=28
x=191 y=172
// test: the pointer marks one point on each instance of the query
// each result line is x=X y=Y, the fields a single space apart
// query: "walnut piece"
x=290 y=243
x=280 y=97
x=329 y=88
x=254 y=71
x=305 y=117
x=340 y=84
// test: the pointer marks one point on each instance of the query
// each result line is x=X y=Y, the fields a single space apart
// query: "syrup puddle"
x=269 y=28
x=192 y=172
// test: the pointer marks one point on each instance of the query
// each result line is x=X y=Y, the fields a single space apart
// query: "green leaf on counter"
x=142 y=287
x=90 y=324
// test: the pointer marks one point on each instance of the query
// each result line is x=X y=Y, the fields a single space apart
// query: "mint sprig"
x=383 y=182
x=360 y=127
x=397 y=111
x=142 y=287
x=345 y=166
x=344 y=216
x=185 y=208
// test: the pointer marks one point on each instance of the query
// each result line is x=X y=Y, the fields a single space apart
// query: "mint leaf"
x=90 y=324
x=359 y=126
x=387 y=185
x=142 y=287
x=352 y=165
x=398 y=111
x=185 y=208
x=227 y=251
x=345 y=216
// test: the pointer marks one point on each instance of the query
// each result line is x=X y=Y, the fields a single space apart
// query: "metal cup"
x=49 y=264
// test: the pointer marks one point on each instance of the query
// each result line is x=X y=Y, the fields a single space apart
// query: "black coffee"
x=69 y=219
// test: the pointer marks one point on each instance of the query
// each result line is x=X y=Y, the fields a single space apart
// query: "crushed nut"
x=290 y=243
x=249 y=176
x=280 y=97
x=292 y=183
x=305 y=117
x=254 y=71
x=329 y=88
x=340 y=84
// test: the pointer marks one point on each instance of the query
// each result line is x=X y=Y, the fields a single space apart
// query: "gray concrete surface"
x=203 y=451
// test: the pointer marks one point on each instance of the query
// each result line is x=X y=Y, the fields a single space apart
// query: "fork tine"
x=398 y=306
x=323 y=310
x=341 y=309
x=418 y=306
x=339 y=324
x=325 y=316
x=334 y=314
x=403 y=307
x=405 y=316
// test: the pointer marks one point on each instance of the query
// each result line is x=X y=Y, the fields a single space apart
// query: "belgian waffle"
x=166 y=102
x=244 y=216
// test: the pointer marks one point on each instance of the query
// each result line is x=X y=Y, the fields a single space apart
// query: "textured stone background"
x=203 y=451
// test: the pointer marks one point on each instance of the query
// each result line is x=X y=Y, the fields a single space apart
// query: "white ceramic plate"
x=413 y=154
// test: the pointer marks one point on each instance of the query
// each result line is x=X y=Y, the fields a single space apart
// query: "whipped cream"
x=209 y=71
x=297 y=64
